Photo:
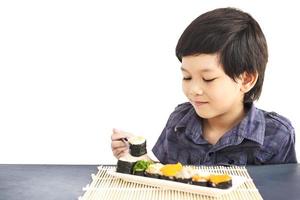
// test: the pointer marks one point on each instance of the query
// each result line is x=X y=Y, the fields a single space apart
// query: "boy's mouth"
x=199 y=103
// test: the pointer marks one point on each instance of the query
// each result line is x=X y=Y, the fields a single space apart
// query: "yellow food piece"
x=219 y=178
x=171 y=169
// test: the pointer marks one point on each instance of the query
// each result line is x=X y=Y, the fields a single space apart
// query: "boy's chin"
x=205 y=114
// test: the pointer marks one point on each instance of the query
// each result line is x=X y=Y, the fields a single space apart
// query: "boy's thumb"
x=116 y=130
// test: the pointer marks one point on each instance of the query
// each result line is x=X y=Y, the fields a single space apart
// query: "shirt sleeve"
x=282 y=141
x=286 y=152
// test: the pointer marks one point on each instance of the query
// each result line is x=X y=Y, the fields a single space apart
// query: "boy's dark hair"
x=236 y=37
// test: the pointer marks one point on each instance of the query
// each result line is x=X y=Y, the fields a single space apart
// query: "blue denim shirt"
x=260 y=138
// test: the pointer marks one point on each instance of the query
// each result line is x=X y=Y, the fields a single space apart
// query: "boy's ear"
x=248 y=81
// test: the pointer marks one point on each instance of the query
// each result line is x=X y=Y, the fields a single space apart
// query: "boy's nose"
x=196 y=89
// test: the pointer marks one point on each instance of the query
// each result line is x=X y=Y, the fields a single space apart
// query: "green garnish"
x=141 y=165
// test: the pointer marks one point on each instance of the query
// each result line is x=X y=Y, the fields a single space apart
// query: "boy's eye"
x=208 y=80
x=187 y=78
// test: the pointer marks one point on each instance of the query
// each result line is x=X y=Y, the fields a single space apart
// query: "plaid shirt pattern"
x=260 y=138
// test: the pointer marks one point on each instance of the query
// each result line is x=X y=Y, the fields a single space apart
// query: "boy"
x=223 y=54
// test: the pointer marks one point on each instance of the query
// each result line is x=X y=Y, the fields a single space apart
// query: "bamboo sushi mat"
x=105 y=186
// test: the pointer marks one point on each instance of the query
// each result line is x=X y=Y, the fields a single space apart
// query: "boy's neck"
x=215 y=128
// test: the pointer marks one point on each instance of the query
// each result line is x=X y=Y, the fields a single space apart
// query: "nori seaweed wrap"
x=184 y=175
x=200 y=180
x=137 y=146
x=153 y=170
x=170 y=170
x=223 y=181
x=125 y=165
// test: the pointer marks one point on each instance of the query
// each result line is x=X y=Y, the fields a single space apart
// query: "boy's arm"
x=286 y=151
x=279 y=141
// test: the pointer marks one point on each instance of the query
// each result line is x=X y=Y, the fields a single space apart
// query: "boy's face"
x=211 y=92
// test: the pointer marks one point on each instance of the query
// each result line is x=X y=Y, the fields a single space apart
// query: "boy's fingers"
x=120 y=151
x=118 y=144
x=117 y=135
x=120 y=155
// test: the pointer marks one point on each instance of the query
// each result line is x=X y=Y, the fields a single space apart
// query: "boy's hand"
x=119 y=144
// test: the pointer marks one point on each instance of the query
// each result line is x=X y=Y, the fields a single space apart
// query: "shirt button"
x=231 y=162
x=210 y=154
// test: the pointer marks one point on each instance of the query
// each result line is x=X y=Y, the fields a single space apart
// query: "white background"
x=70 y=71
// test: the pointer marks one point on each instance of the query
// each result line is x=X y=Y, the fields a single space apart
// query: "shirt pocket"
x=187 y=155
x=231 y=158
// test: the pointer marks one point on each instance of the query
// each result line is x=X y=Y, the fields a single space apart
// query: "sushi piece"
x=184 y=175
x=222 y=181
x=200 y=180
x=137 y=146
x=153 y=170
x=125 y=164
x=169 y=171
x=140 y=166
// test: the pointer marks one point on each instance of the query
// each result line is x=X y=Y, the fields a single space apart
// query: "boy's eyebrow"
x=202 y=70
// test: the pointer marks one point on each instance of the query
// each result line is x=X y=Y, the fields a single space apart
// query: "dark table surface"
x=277 y=181
x=45 y=182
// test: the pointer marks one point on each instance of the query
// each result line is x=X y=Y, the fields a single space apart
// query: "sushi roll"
x=153 y=170
x=200 y=180
x=169 y=171
x=137 y=146
x=223 y=181
x=184 y=175
x=140 y=167
x=125 y=164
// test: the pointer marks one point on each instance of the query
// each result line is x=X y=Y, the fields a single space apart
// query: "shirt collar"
x=186 y=119
x=191 y=123
x=252 y=127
